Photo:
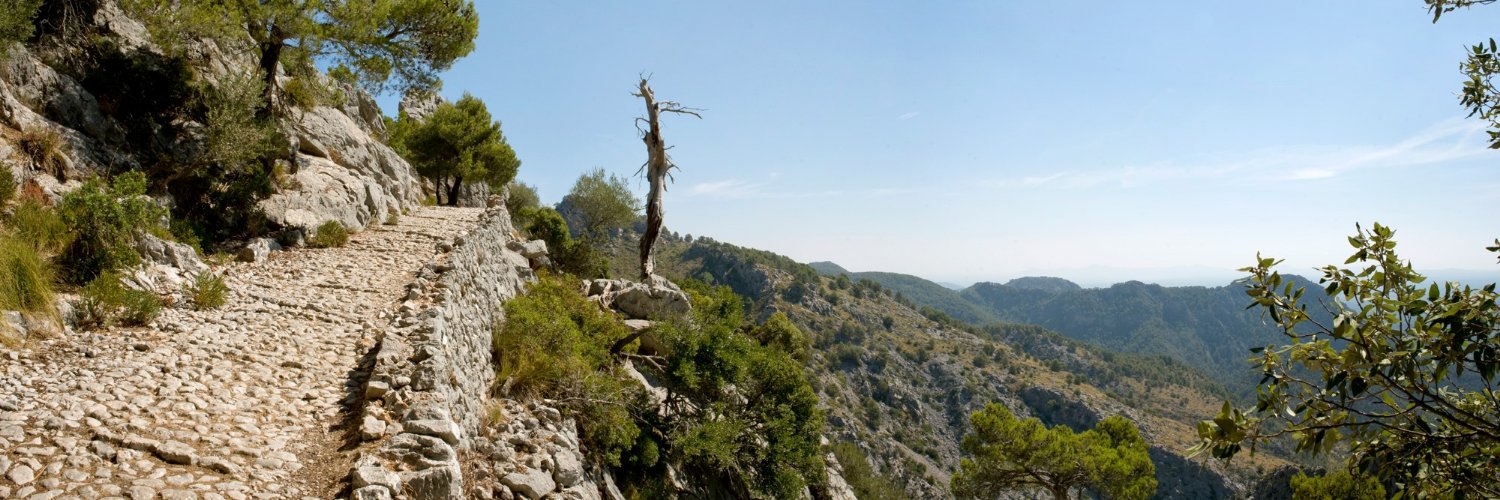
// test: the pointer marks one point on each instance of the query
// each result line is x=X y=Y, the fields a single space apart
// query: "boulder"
x=156 y=251
x=530 y=249
x=533 y=483
x=567 y=468
x=257 y=250
x=435 y=483
x=657 y=299
x=343 y=171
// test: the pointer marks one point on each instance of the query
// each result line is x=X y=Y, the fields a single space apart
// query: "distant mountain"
x=827 y=268
x=1044 y=283
x=918 y=290
x=951 y=286
x=1206 y=327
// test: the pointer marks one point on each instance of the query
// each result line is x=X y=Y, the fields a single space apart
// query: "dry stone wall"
x=431 y=373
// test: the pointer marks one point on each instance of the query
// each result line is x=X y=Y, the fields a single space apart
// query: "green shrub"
x=103 y=221
x=217 y=191
x=207 y=291
x=106 y=301
x=331 y=234
x=393 y=218
x=39 y=226
x=7 y=186
x=25 y=276
x=554 y=343
x=16 y=21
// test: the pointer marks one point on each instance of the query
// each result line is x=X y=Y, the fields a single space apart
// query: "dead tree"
x=658 y=167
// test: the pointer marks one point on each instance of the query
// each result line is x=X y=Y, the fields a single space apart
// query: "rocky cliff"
x=340 y=170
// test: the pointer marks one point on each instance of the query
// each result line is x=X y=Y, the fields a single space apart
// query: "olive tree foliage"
x=598 y=204
x=521 y=201
x=459 y=143
x=1005 y=453
x=383 y=45
x=16 y=22
x=658 y=167
x=1404 y=374
x=1479 y=95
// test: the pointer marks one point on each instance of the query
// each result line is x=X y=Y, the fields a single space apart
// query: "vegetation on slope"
x=738 y=408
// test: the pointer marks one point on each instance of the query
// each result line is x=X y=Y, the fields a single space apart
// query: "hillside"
x=900 y=384
x=919 y=291
x=1205 y=327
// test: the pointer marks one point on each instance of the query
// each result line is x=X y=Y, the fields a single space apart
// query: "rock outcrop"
x=341 y=169
x=343 y=172
x=657 y=299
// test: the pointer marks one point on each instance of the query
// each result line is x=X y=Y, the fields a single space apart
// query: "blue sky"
x=985 y=140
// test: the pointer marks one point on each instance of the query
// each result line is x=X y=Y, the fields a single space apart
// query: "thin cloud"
x=1443 y=142
x=908 y=115
x=728 y=188
x=743 y=190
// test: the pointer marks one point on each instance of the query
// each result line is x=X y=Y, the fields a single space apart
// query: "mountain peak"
x=1044 y=283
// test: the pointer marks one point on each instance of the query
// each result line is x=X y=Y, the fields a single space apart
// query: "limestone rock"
x=372 y=493
x=342 y=172
x=257 y=250
x=442 y=429
x=658 y=299
x=371 y=428
x=530 y=249
x=567 y=468
x=435 y=483
x=533 y=483
x=157 y=251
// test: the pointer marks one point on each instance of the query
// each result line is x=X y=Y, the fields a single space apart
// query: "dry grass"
x=43 y=146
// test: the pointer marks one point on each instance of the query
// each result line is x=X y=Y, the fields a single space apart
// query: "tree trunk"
x=270 y=60
x=656 y=173
x=1059 y=492
x=453 y=191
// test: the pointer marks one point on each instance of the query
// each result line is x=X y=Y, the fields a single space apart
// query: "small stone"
x=22 y=475
x=174 y=452
x=140 y=346
x=372 y=493
x=376 y=389
x=371 y=428
x=375 y=475
x=141 y=493
x=442 y=429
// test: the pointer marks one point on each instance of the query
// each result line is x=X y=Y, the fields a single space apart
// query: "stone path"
x=247 y=401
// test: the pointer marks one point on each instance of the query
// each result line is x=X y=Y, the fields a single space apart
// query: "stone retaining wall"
x=432 y=370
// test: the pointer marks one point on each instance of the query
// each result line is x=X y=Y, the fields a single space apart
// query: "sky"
x=983 y=141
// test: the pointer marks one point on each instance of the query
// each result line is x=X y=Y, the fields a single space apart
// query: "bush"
x=207 y=291
x=103 y=222
x=521 y=201
x=108 y=302
x=16 y=21
x=554 y=343
x=25 y=276
x=218 y=189
x=43 y=146
x=331 y=234
x=7 y=186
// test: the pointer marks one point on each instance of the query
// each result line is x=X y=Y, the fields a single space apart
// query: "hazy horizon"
x=977 y=141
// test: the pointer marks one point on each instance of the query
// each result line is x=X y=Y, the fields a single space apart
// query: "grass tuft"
x=207 y=291
x=331 y=234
